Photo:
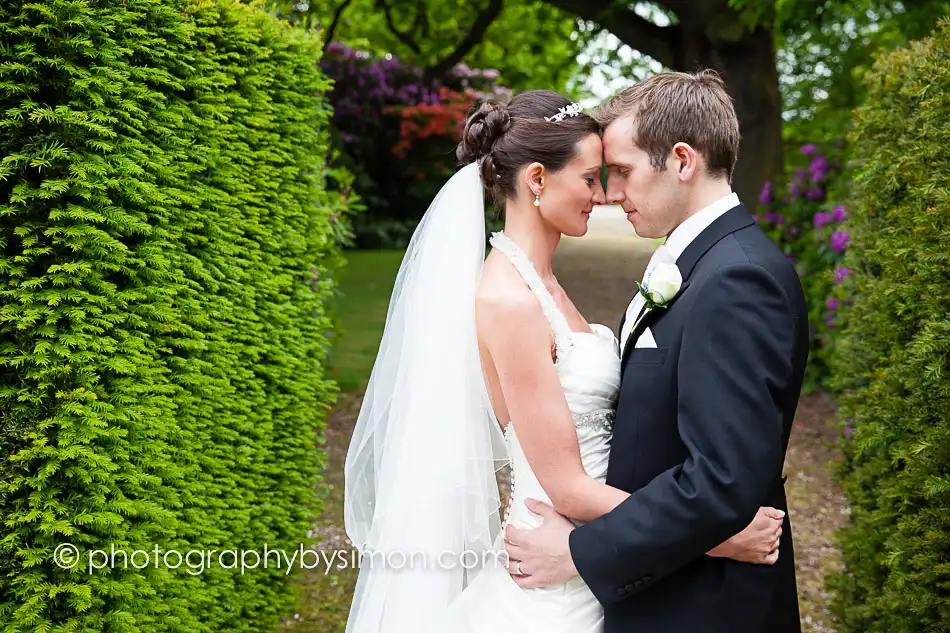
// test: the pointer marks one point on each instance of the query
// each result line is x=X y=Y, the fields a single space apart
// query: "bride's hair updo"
x=507 y=137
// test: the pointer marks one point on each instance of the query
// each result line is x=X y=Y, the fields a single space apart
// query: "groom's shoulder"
x=747 y=248
x=754 y=246
x=750 y=253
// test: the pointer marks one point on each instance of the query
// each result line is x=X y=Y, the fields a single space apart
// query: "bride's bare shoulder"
x=503 y=298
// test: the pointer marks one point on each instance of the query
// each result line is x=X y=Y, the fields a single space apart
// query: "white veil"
x=420 y=488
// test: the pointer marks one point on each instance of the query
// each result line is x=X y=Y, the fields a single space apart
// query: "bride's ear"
x=534 y=178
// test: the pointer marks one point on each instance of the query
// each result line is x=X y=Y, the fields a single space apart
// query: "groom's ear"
x=686 y=161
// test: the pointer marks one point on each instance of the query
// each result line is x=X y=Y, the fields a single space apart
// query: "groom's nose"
x=615 y=195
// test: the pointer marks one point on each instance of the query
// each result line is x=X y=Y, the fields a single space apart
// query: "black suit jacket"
x=702 y=427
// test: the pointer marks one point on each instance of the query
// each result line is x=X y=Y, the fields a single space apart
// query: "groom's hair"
x=676 y=107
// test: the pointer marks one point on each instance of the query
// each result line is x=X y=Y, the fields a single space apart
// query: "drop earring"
x=537 y=199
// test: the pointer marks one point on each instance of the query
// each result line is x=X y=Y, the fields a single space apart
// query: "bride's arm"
x=518 y=338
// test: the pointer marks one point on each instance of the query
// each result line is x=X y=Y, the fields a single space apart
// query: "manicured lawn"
x=365 y=289
x=361 y=307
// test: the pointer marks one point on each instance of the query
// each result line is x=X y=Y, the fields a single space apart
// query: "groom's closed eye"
x=622 y=170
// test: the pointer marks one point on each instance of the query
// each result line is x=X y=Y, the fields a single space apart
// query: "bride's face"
x=569 y=195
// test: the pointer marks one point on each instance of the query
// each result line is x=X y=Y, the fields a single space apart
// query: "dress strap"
x=522 y=263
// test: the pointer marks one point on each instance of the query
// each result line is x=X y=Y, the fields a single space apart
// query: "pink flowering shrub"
x=396 y=130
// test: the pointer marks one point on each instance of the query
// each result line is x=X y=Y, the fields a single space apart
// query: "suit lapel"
x=728 y=223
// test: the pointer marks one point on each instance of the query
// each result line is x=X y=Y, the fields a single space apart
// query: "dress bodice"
x=588 y=365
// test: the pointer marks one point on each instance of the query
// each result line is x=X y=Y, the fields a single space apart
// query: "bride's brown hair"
x=508 y=136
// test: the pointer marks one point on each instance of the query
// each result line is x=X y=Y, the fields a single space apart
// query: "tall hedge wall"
x=893 y=356
x=162 y=215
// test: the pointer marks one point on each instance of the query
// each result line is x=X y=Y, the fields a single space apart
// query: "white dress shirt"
x=681 y=237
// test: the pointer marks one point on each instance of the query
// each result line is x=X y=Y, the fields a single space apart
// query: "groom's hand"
x=758 y=542
x=544 y=552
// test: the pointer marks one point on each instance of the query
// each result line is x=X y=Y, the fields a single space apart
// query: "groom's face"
x=649 y=197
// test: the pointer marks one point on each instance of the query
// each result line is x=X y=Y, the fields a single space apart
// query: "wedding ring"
x=518 y=568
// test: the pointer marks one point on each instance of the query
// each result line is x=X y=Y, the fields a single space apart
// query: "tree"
x=810 y=45
x=531 y=43
x=738 y=43
x=536 y=43
x=826 y=48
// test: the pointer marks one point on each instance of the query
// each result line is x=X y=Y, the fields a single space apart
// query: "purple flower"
x=815 y=194
x=840 y=273
x=832 y=304
x=822 y=218
x=839 y=240
x=818 y=168
x=809 y=148
x=817 y=163
x=790 y=258
x=840 y=213
x=770 y=216
x=765 y=196
x=848 y=430
x=755 y=217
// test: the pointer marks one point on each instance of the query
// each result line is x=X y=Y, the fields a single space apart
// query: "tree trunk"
x=710 y=34
x=746 y=61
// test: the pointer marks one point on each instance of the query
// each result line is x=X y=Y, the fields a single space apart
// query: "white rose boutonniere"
x=661 y=286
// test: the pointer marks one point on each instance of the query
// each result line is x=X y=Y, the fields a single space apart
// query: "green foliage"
x=825 y=49
x=532 y=43
x=166 y=256
x=892 y=355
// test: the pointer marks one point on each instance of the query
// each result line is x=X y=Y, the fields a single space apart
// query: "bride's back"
x=501 y=291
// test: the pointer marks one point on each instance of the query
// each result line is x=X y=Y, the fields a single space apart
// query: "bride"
x=485 y=362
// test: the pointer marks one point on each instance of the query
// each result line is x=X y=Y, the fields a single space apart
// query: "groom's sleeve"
x=736 y=360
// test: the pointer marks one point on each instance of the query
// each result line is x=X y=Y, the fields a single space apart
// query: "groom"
x=710 y=384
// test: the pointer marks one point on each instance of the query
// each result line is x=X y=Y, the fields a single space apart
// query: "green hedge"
x=893 y=355
x=165 y=258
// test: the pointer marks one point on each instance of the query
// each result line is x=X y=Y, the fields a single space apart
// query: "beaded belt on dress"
x=597 y=419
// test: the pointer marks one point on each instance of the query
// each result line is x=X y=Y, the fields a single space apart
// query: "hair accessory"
x=565 y=112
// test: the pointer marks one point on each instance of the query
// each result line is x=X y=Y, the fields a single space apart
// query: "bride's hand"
x=757 y=543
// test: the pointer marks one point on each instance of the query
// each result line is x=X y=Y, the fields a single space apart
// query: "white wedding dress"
x=420 y=471
x=588 y=365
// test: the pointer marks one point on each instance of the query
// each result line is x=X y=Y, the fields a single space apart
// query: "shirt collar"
x=689 y=230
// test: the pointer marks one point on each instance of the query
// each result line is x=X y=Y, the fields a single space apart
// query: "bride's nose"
x=599 y=196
